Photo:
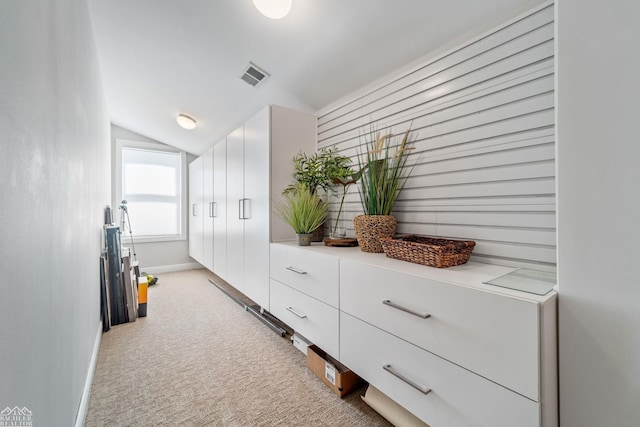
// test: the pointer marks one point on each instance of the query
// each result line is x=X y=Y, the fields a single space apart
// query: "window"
x=152 y=181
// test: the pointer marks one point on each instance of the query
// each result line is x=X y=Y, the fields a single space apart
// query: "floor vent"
x=254 y=75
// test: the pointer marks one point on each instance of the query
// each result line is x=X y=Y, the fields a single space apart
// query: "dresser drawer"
x=313 y=319
x=494 y=335
x=311 y=273
x=457 y=397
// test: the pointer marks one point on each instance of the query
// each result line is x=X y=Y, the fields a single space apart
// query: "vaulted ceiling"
x=163 y=57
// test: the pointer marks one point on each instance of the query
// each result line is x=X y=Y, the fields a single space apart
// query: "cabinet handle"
x=295 y=270
x=246 y=208
x=214 y=209
x=210 y=209
x=302 y=316
x=194 y=209
x=405 y=309
x=423 y=390
x=240 y=209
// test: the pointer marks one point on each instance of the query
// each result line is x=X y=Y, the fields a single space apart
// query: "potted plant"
x=317 y=173
x=303 y=211
x=384 y=169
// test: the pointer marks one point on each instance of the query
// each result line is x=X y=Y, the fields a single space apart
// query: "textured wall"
x=482 y=114
x=54 y=176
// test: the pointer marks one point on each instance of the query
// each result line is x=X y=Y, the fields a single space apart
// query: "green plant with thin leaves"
x=302 y=210
x=384 y=171
x=319 y=170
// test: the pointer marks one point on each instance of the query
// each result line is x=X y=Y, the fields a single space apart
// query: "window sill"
x=158 y=239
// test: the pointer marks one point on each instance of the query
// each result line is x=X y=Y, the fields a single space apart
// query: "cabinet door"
x=235 y=199
x=195 y=210
x=220 y=209
x=208 y=209
x=257 y=207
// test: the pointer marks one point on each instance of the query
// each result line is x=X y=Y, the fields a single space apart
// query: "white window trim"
x=126 y=237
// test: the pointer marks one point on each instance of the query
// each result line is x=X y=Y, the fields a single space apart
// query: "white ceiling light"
x=186 y=121
x=274 y=9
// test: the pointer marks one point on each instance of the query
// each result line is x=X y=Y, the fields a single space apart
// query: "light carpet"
x=199 y=359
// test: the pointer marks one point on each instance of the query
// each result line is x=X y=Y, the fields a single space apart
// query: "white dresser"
x=450 y=349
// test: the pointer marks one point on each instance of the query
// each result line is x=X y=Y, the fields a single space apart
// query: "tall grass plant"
x=385 y=170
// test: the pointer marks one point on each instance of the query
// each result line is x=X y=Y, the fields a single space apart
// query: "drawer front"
x=457 y=397
x=311 y=273
x=315 y=320
x=493 y=335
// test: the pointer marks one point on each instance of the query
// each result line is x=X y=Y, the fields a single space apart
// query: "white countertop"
x=471 y=274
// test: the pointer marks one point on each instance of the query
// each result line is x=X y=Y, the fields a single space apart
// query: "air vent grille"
x=253 y=75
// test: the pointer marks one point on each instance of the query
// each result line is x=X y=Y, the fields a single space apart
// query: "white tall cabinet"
x=196 y=200
x=257 y=209
x=201 y=209
x=235 y=200
x=207 y=208
x=220 y=208
x=250 y=168
x=248 y=210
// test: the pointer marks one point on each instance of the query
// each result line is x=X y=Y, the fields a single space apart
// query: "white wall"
x=598 y=125
x=54 y=175
x=158 y=256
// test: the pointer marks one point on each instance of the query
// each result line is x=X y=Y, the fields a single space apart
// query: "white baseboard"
x=170 y=268
x=84 y=401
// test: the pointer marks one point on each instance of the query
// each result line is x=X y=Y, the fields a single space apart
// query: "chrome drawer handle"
x=295 y=270
x=423 y=390
x=302 y=316
x=405 y=309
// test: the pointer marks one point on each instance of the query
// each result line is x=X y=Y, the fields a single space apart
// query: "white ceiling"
x=163 y=57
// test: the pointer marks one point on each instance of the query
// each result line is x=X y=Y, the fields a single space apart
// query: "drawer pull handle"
x=423 y=390
x=405 y=309
x=302 y=316
x=295 y=270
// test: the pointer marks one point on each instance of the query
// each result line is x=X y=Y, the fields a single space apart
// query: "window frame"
x=152 y=146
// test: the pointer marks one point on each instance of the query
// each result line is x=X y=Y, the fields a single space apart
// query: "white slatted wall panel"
x=483 y=114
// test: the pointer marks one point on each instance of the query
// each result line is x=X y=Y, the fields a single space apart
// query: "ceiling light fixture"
x=274 y=9
x=186 y=121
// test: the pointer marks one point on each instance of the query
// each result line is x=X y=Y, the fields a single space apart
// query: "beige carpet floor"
x=199 y=359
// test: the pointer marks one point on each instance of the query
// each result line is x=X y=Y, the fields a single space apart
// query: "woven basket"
x=371 y=228
x=429 y=251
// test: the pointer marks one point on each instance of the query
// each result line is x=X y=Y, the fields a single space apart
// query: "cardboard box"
x=334 y=374
x=300 y=342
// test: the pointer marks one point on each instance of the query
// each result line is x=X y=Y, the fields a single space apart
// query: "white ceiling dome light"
x=274 y=9
x=186 y=121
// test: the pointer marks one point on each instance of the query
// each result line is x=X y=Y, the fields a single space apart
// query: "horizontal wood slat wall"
x=483 y=118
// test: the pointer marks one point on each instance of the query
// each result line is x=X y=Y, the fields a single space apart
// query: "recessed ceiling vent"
x=254 y=75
